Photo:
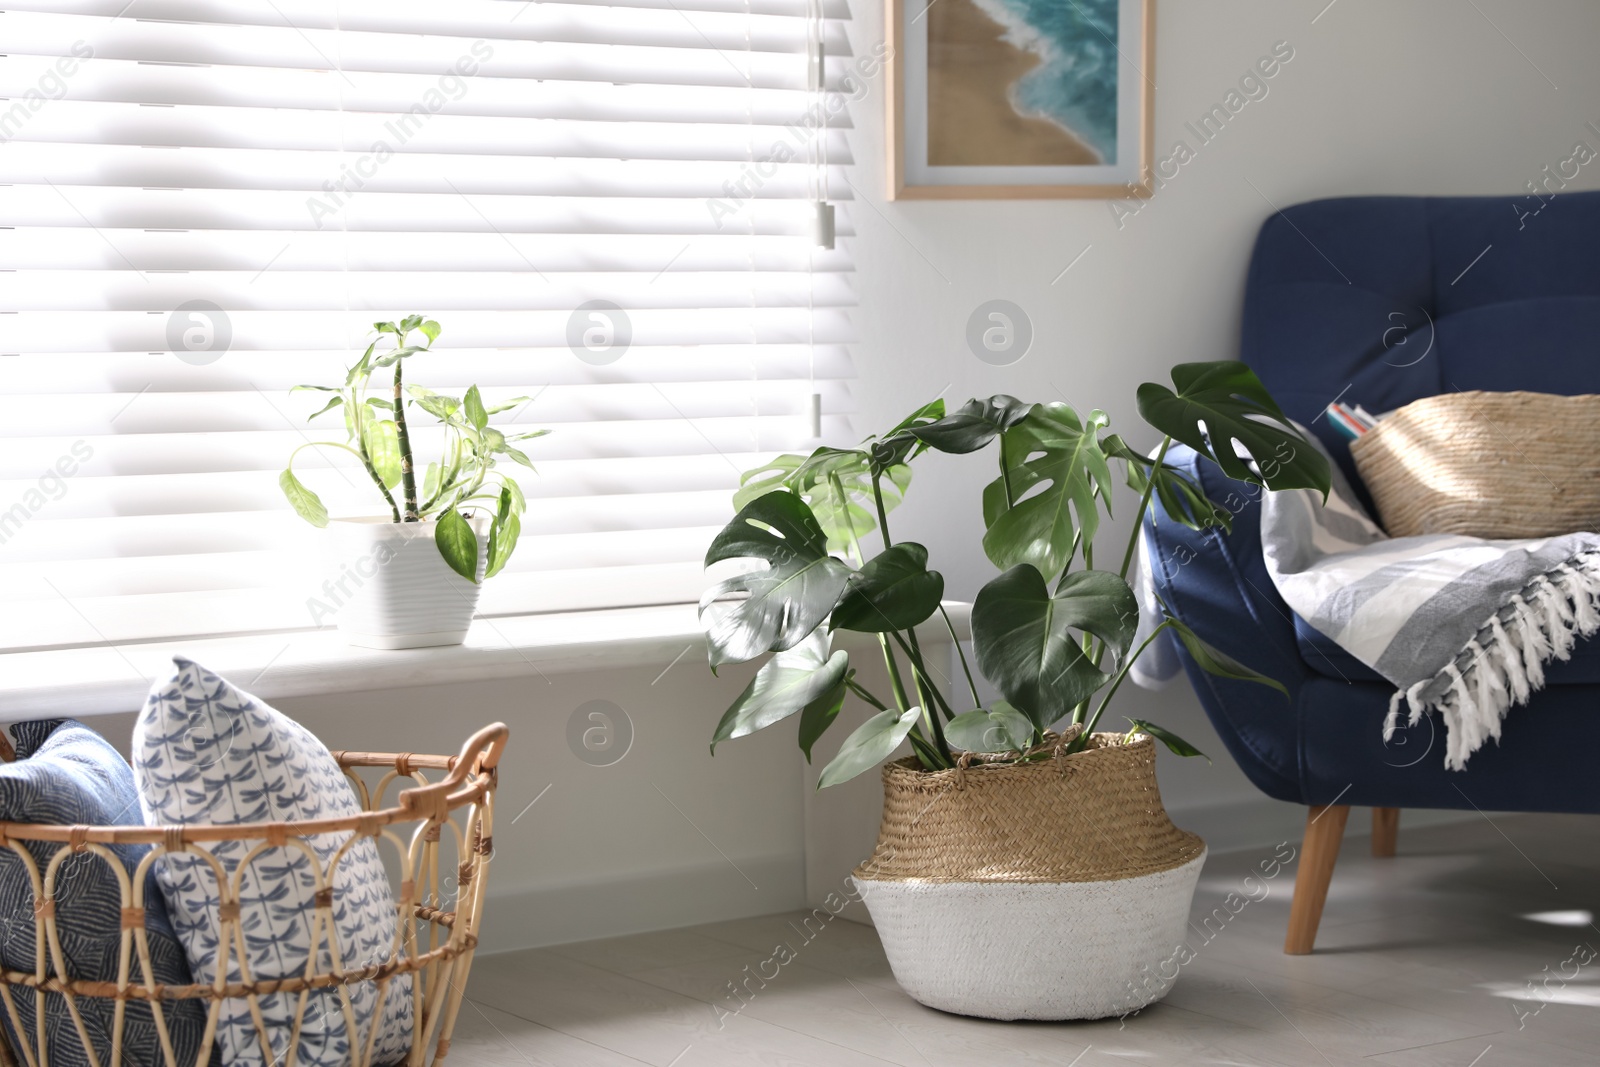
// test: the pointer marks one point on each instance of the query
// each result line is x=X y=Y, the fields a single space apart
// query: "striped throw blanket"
x=1462 y=626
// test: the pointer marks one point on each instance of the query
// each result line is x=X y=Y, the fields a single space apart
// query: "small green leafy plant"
x=1055 y=640
x=378 y=433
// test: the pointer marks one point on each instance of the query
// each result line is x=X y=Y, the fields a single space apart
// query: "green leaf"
x=895 y=591
x=897 y=447
x=973 y=425
x=380 y=402
x=789 y=683
x=305 y=503
x=1026 y=642
x=458 y=544
x=873 y=742
x=520 y=456
x=503 y=537
x=1214 y=661
x=362 y=368
x=430 y=481
x=786 y=601
x=1054 y=470
x=473 y=405
x=1175 y=744
x=386 y=327
x=1218 y=404
x=335 y=402
x=818 y=715
x=389 y=359
x=430 y=330
x=442 y=408
x=519 y=503
x=409 y=323
x=1182 y=499
x=382 y=441
x=509 y=404
x=1001 y=728
x=313 y=389
x=812 y=478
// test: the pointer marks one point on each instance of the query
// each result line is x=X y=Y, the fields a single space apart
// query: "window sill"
x=112 y=679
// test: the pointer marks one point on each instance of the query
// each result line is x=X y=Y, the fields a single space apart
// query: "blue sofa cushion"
x=67 y=774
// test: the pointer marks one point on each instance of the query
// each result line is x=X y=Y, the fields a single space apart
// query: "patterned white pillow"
x=207 y=752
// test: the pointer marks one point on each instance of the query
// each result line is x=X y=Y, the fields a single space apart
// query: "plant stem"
x=408 y=477
x=1144 y=504
x=895 y=681
x=1115 y=682
x=967 y=671
x=861 y=692
x=1005 y=475
x=883 y=513
x=917 y=665
x=365 y=462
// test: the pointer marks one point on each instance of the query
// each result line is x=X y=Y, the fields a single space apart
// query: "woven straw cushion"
x=67 y=774
x=207 y=752
x=1486 y=465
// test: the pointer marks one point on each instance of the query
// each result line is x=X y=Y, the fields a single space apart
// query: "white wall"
x=1420 y=97
x=1417 y=97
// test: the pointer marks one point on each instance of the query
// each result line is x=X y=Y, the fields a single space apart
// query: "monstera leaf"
x=1026 y=641
x=786 y=601
x=896 y=591
x=1218 y=404
x=819 y=479
x=1215 y=661
x=871 y=744
x=1057 y=454
x=1183 y=500
x=972 y=426
x=1001 y=728
x=804 y=679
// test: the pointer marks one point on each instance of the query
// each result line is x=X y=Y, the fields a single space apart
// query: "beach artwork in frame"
x=1020 y=98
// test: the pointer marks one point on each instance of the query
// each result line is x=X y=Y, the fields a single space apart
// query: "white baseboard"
x=641 y=902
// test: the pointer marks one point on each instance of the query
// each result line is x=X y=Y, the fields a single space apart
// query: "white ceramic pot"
x=392 y=589
x=1051 y=890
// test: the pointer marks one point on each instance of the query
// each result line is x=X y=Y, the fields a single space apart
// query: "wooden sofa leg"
x=1318 y=853
x=1385 y=831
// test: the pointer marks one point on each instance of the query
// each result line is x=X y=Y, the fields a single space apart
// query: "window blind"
x=206 y=202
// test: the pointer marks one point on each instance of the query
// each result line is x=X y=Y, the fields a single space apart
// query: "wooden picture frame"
x=909 y=48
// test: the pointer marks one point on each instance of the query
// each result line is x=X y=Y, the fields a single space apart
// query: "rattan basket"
x=440 y=916
x=1486 y=465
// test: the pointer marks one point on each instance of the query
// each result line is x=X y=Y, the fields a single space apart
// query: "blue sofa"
x=1381 y=301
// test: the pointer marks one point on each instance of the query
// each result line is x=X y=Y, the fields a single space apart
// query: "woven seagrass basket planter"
x=436 y=836
x=1485 y=464
x=1047 y=890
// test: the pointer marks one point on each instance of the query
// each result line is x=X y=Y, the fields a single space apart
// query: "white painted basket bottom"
x=1035 y=950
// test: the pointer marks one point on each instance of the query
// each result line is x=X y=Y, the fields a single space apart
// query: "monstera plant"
x=1052 y=632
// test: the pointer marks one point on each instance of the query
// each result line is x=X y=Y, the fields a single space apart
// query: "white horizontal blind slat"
x=312 y=168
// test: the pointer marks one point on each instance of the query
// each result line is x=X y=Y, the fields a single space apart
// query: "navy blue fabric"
x=1382 y=301
x=1385 y=300
x=67 y=774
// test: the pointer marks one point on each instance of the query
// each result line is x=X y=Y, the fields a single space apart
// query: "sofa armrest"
x=1217 y=584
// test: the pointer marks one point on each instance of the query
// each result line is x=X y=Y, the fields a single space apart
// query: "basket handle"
x=481 y=753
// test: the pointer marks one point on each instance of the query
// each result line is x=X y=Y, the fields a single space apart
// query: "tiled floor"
x=1423 y=961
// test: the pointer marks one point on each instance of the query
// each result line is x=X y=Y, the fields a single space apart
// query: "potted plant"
x=412 y=577
x=1025 y=867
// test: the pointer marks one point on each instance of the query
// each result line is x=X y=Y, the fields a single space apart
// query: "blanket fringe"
x=1503 y=665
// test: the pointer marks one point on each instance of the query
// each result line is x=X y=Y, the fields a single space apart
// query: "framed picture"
x=992 y=99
